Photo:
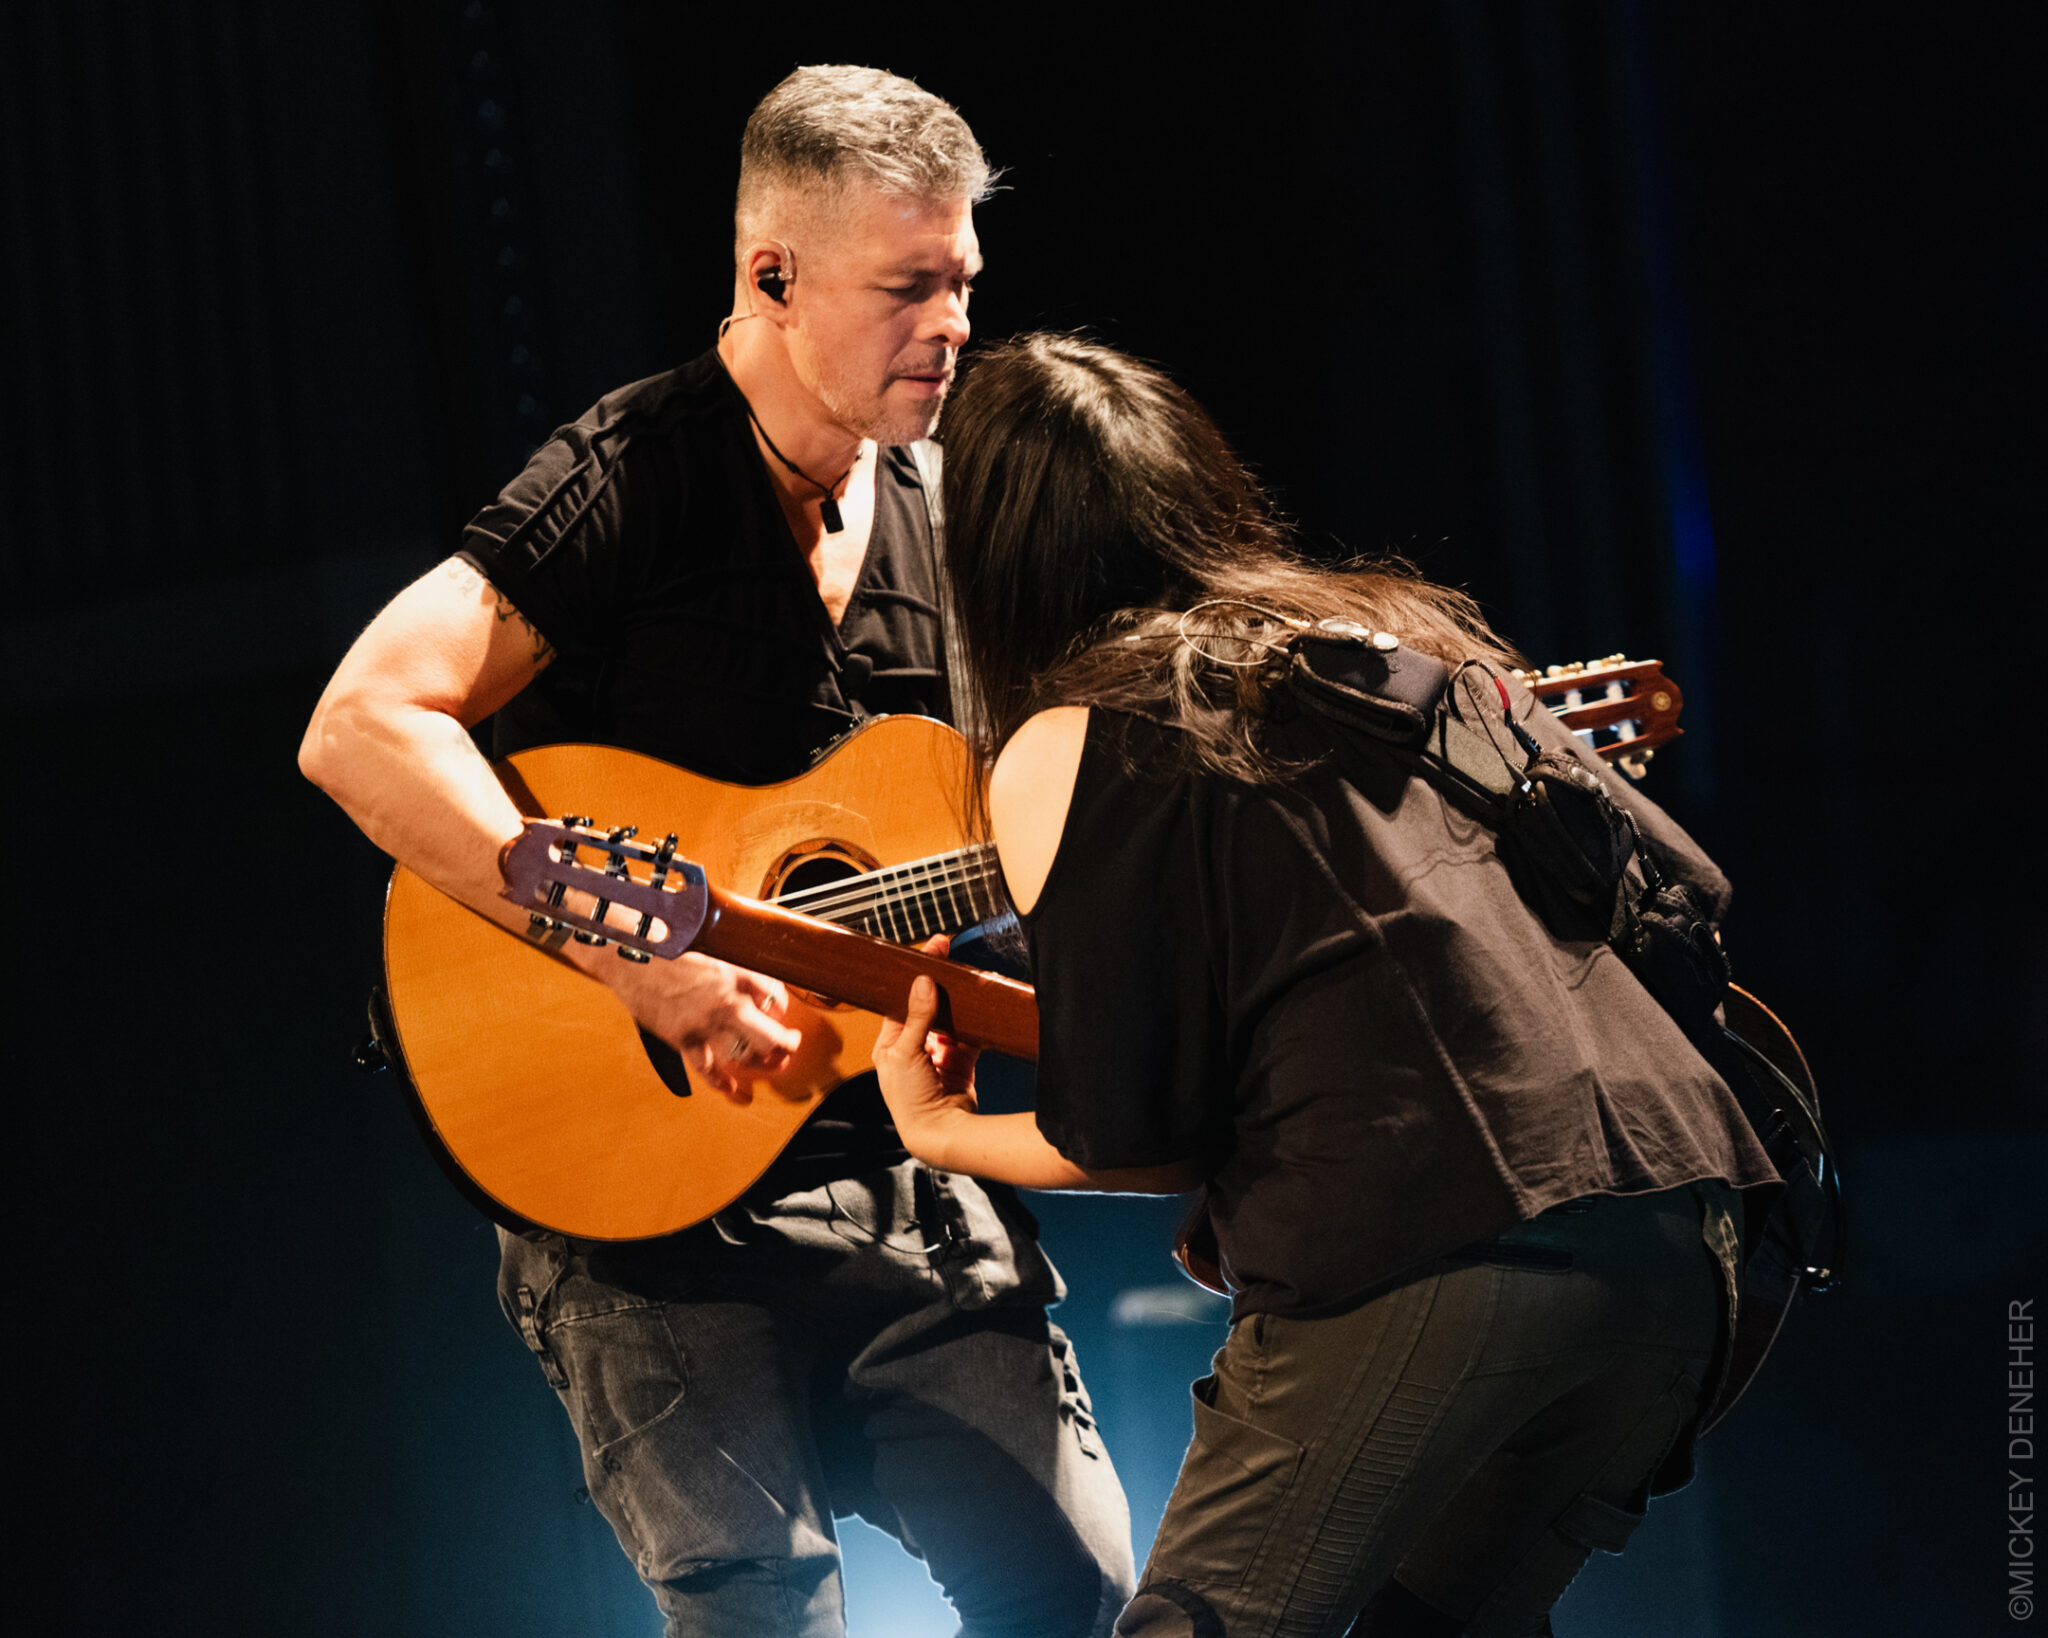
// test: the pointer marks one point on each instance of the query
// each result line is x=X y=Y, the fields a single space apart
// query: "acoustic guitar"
x=546 y=1103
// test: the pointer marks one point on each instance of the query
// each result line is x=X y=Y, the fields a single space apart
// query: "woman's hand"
x=928 y=1082
x=927 y=1077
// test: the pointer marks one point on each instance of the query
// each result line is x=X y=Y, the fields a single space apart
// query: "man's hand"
x=724 y=1020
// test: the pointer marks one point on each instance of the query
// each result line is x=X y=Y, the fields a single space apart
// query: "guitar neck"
x=834 y=959
x=678 y=909
x=848 y=938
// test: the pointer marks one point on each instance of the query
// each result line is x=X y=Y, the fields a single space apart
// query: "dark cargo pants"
x=1470 y=1434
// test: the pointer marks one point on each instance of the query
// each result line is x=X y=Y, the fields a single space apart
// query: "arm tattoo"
x=502 y=610
x=543 y=650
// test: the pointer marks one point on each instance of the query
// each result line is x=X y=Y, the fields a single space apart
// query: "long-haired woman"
x=1474 y=1192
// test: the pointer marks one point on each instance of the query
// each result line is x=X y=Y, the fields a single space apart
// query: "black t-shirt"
x=646 y=544
x=1330 y=992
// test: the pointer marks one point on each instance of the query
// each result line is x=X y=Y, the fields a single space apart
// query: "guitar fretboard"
x=909 y=902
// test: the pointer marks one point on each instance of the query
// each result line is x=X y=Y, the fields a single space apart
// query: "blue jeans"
x=875 y=1346
x=1443 y=1458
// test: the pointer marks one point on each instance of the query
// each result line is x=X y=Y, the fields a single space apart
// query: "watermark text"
x=2020 y=1540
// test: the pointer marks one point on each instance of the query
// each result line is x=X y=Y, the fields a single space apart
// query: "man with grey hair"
x=728 y=566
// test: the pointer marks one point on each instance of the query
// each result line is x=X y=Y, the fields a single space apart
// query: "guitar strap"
x=1572 y=851
x=929 y=459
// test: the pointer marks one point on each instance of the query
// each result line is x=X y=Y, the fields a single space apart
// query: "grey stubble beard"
x=876 y=418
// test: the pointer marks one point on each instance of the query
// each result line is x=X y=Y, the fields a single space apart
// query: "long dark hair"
x=1091 y=505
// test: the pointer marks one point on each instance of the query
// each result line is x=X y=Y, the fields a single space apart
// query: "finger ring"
x=740 y=1050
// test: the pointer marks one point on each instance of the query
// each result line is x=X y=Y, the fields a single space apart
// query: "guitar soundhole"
x=820 y=870
x=803 y=878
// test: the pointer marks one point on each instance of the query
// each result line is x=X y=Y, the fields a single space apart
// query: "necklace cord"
x=831 y=503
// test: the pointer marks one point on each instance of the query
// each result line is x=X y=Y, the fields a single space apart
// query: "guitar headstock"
x=546 y=862
x=1623 y=709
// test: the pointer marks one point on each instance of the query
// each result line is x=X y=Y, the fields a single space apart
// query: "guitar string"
x=919 y=883
x=968 y=864
x=905 y=920
x=912 y=888
x=902 y=919
x=921 y=901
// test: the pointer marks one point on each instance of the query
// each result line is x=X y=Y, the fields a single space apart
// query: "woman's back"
x=1331 y=989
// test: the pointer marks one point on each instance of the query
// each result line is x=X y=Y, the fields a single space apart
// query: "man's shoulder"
x=697 y=390
x=630 y=455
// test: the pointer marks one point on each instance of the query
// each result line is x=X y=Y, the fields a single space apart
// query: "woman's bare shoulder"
x=1029 y=793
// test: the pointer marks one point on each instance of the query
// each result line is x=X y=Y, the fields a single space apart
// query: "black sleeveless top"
x=1330 y=993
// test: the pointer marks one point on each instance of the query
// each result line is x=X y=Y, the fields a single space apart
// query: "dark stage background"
x=1703 y=331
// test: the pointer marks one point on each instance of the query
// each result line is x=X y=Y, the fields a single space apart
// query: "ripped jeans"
x=1443 y=1458
x=876 y=1346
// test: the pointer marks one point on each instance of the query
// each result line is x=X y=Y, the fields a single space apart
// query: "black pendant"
x=828 y=510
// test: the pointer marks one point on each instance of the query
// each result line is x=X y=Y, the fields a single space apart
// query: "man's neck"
x=787 y=413
x=826 y=453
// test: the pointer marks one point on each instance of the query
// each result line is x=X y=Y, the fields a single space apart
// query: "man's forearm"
x=414 y=782
x=390 y=742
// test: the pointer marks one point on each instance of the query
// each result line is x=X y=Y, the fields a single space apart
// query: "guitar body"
x=535 y=1082
x=1797 y=1247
